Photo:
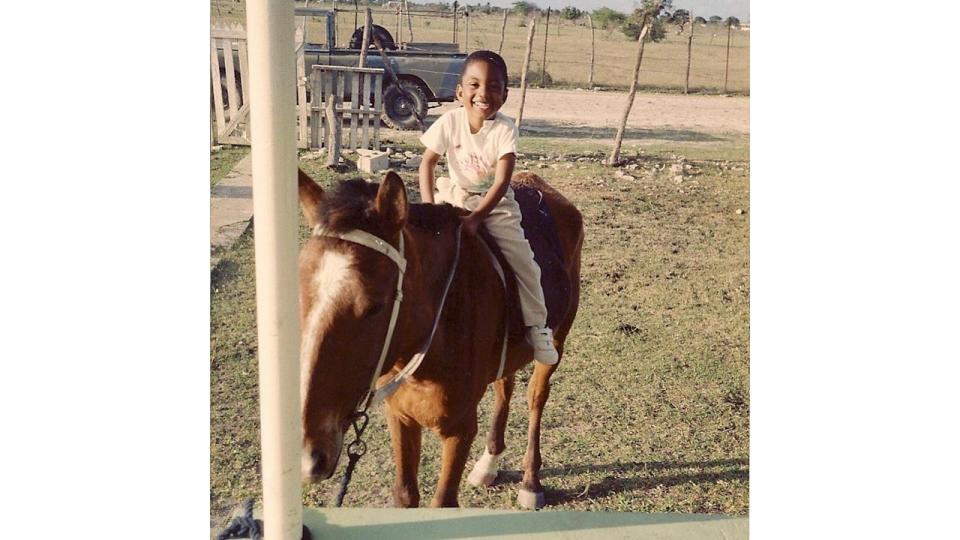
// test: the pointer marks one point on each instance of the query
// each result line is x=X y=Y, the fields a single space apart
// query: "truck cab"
x=427 y=73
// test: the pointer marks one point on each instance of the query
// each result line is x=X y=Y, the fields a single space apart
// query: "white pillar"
x=274 y=155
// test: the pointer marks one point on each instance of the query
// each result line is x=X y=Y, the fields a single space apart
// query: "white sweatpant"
x=504 y=225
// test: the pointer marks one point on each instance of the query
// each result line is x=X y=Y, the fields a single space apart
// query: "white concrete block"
x=371 y=161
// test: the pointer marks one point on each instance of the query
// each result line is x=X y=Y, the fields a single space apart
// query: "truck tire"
x=403 y=104
x=356 y=40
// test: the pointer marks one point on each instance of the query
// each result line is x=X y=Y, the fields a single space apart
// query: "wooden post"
x=466 y=24
x=726 y=69
x=543 y=65
x=356 y=12
x=503 y=30
x=615 y=154
x=398 y=23
x=455 y=4
x=393 y=78
x=366 y=38
x=593 y=41
x=526 y=67
x=406 y=8
x=686 y=83
x=333 y=123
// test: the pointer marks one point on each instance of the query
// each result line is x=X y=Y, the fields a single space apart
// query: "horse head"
x=347 y=295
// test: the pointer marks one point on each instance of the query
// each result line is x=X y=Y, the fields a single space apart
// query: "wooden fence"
x=330 y=82
x=230 y=112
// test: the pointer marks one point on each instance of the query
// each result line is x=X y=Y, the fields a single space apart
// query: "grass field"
x=568 y=49
x=223 y=160
x=649 y=410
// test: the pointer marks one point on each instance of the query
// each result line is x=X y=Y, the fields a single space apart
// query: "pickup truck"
x=426 y=72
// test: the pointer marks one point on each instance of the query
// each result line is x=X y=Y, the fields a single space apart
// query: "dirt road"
x=548 y=110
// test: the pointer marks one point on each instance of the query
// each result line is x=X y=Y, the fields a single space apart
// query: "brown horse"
x=348 y=291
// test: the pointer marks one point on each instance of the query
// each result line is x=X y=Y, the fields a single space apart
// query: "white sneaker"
x=541 y=338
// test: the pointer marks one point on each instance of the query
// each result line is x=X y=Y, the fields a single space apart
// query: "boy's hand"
x=471 y=223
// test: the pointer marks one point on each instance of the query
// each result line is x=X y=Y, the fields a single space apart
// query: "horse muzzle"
x=318 y=462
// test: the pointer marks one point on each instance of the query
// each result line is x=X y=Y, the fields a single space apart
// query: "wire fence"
x=718 y=56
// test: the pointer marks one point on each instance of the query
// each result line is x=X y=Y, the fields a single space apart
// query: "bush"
x=571 y=13
x=607 y=18
x=632 y=26
x=524 y=8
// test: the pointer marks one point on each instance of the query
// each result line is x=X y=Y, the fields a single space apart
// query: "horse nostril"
x=319 y=462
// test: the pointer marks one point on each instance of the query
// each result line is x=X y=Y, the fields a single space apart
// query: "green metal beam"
x=461 y=523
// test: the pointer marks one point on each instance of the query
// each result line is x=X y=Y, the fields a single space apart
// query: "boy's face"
x=481 y=91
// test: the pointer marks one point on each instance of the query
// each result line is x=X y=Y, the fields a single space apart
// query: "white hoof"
x=484 y=472
x=530 y=500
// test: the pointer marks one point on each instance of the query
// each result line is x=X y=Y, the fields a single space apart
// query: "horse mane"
x=351 y=204
x=433 y=217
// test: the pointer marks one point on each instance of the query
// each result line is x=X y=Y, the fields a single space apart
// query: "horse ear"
x=310 y=196
x=392 y=200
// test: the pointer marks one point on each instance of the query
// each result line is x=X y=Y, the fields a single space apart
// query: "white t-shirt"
x=472 y=158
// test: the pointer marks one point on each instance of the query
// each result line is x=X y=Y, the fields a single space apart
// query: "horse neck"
x=429 y=264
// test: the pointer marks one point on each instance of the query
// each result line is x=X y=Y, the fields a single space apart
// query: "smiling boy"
x=481 y=144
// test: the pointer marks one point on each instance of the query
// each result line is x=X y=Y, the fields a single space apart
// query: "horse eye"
x=374 y=309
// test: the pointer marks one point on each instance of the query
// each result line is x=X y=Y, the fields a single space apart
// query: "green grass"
x=649 y=410
x=568 y=53
x=223 y=161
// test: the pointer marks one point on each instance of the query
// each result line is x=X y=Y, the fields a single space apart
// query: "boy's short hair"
x=490 y=58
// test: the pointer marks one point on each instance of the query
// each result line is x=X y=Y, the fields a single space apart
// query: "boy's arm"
x=427 y=166
x=496 y=192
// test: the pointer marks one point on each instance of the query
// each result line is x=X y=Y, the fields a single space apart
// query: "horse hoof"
x=530 y=500
x=481 y=479
x=484 y=472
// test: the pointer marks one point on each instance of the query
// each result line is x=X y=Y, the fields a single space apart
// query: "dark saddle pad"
x=541 y=231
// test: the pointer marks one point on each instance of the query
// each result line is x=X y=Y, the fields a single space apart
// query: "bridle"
x=375 y=395
x=359 y=418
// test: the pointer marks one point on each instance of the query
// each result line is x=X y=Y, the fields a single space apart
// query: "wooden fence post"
x=526 y=66
x=406 y=8
x=333 y=123
x=686 y=83
x=466 y=24
x=543 y=65
x=455 y=5
x=366 y=38
x=399 y=26
x=503 y=30
x=592 y=49
x=726 y=69
x=615 y=154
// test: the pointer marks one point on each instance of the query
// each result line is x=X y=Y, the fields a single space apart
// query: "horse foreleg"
x=538 y=390
x=484 y=472
x=405 y=439
x=456 y=449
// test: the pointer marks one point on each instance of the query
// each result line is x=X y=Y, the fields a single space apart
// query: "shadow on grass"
x=632 y=476
x=553 y=130
x=225 y=270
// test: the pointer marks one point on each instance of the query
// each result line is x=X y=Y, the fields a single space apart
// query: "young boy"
x=480 y=144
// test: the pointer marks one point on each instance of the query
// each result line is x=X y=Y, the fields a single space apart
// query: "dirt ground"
x=547 y=110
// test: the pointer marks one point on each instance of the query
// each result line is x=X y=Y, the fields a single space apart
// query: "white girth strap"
x=377 y=244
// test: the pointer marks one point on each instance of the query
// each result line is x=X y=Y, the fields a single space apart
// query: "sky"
x=724 y=8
